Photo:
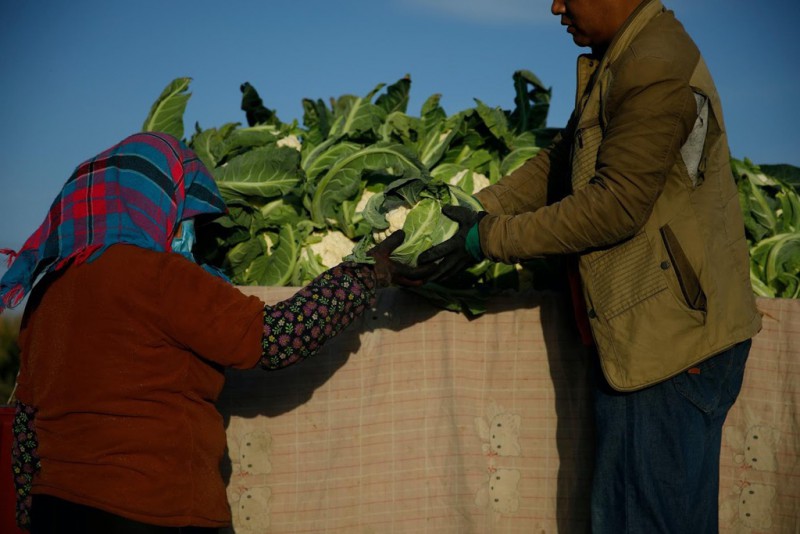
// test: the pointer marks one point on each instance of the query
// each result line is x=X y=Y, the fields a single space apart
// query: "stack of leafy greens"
x=299 y=196
x=303 y=197
x=770 y=200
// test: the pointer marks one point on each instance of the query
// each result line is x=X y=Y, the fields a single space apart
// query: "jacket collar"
x=641 y=16
x=590 y=65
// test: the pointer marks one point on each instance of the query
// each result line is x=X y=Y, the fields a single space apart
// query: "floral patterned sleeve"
x=24 y=460
x=296 y=328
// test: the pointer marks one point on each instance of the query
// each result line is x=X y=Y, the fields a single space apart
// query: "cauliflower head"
x=332 y=248
x=396 y=219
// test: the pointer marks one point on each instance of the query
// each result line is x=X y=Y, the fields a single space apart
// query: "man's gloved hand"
x=455 y=254
x=389 y=272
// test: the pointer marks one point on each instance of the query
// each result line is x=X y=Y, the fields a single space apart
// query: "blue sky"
x=78 y=76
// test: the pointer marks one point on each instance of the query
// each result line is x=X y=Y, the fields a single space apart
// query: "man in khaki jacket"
x=651 y=214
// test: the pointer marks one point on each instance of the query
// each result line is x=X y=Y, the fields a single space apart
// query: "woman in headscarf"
x=125 y=338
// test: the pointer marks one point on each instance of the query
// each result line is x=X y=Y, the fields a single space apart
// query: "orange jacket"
x=140 y=349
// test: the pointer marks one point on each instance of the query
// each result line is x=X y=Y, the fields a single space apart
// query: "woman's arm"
x=296 y=328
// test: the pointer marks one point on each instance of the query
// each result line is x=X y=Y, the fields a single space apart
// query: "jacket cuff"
x=473 y=243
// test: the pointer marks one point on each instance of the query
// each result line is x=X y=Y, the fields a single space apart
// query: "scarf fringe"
x=12 y=255
x=76 y=258
x=12 y=297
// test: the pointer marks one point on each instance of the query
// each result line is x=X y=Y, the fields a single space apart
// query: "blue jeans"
x=657 y=455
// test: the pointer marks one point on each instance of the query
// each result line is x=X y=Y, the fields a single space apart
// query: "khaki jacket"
x=639 y=186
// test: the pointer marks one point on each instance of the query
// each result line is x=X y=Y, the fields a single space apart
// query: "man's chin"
x=581 y=41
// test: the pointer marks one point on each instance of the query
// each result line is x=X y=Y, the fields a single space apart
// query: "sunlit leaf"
x=166 y=114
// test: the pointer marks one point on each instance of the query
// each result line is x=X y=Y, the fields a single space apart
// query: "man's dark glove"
x=453 y=256
x=389 y=272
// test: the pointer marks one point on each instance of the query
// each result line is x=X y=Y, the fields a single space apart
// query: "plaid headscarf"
x=136 y=192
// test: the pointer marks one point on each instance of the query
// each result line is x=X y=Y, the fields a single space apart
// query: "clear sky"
x=79 y=75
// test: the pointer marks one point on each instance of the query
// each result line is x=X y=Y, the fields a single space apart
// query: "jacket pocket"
x=624 y=276
x=688 y=281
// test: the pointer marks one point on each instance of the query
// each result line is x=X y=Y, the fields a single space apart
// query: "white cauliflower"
x=332 y=248
x=362 y=202
x=396 y=219
x=292 y=141
x=479 y=181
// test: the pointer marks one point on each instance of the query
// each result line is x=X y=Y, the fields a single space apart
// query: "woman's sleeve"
x=216 y=321
x=298 y=327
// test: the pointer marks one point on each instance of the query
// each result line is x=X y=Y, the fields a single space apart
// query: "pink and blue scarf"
x=136 y=192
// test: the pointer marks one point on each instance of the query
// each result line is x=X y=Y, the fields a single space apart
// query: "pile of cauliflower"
x=333 y=247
